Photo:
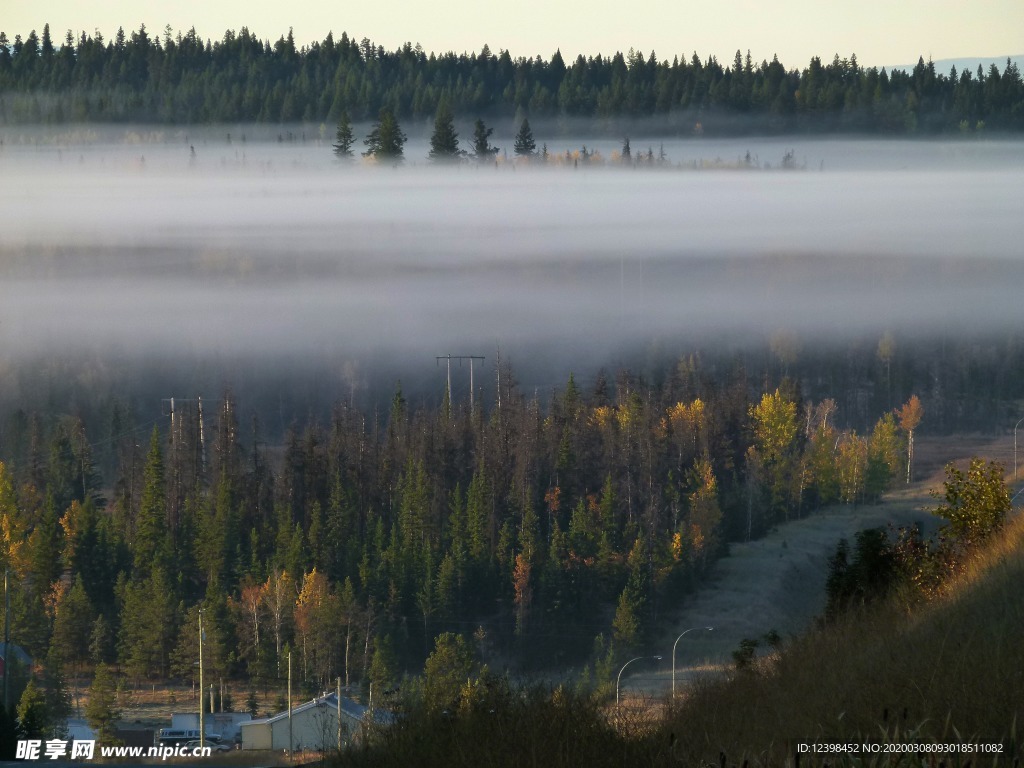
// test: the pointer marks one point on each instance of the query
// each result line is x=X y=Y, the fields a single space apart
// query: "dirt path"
x=778 y=582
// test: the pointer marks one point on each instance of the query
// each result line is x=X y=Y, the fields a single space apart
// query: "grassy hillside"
x=948 y=670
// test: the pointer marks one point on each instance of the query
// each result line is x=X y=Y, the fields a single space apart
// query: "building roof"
x=17 y=652
x=78 y=728
x=349 y=708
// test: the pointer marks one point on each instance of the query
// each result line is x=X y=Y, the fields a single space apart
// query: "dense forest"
x=552 y=533
x=183 y=79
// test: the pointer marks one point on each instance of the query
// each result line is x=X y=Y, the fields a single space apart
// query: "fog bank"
x=270 y=251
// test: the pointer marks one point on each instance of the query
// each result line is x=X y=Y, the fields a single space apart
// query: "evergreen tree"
x=42 y=546
x=627 y=156
x=344 y=140
x=524 y=145
x=98 y=553
x=215 y=542
x=626 y=624
x=56 y=696
x=444 y=142
x=482 y=149
x=384 y=666
x=151 y=526
x=101 y=641
x=32 y=714
x=73 y=623
x=386 y=141
x=102 y=712
x=446 y=671
x=148 y=625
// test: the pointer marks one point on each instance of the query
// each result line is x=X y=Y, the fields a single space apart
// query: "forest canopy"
x=183 y=79
x=544 y=529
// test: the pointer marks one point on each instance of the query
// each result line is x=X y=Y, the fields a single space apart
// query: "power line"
x=129 y=431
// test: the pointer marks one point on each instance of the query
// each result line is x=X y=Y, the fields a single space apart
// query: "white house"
x=314 y=726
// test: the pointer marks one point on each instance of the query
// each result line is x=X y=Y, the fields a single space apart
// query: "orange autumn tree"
x=12 y=526
x=523 y=592
x=316 y=626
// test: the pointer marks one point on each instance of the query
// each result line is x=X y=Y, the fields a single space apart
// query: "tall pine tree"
x=343 y=140
x=151 y=542
x=524 y=145
x=444 y=142
x=386 y=141
x=482 y=149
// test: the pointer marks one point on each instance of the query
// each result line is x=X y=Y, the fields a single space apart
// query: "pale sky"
x=879 y=32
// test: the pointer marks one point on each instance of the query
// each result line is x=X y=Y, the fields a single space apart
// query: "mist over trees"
x=552 y=532
x=180 y=78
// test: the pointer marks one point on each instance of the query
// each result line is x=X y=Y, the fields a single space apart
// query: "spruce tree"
x=343 y=138
x=444 y=142
x=524 y=145
x=73 y=624
x=386 y=141
x=446 y=670
x=151 y=524
x=482 y=149
x=32 y=715
x=56 y=696
x=102 y=711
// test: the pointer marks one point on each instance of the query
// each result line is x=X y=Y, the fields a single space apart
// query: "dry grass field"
x=778 y=582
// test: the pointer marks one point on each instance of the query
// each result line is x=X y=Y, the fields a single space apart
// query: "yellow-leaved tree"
x=705 y=514
x=775 y=430
x=910 y=415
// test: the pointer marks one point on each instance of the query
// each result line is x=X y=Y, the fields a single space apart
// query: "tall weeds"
x=949 y=669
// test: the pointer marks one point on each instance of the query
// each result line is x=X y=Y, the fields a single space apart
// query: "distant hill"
x=943 y=65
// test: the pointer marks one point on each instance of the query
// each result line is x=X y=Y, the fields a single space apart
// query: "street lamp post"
x=202 y=722
x=1015 y=448
x=619 y=678
x=674 y=654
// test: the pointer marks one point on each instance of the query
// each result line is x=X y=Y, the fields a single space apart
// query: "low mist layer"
x=267 y=250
